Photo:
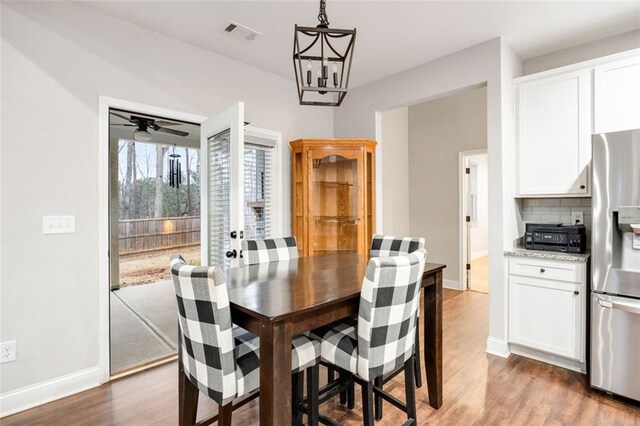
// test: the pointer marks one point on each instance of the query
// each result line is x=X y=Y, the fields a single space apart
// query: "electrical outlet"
x=8 y=351
x=577 y=218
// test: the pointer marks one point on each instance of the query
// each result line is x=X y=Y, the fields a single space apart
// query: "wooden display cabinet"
x=333 y=195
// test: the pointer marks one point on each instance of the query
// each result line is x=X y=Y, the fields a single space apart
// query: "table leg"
x=433 y=340
x=275 y=374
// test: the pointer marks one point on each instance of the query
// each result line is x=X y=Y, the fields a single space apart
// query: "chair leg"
x=367 y=403
x=418 y=369
x=313 y=388
x=378 y=382
x=187 y=400
x=342 y=375
x=225 y=413
x=297 y=395
x=410 y=389
x=351 y=403
x=330 y=374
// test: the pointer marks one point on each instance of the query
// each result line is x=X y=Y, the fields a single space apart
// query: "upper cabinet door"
x=617 y=96
x=554 y=135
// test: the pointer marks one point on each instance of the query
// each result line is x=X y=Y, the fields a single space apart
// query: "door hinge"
x=468 y=266
x=467 y=218
x=467 y=171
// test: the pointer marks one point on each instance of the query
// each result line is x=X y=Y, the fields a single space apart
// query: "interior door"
x=222 y=182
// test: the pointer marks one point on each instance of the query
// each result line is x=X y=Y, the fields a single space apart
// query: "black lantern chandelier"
x=326 y=52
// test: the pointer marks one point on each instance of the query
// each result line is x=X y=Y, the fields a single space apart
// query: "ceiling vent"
x=240 y=32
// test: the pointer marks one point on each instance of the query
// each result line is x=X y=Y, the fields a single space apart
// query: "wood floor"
x=479 y=275
x=479 y=389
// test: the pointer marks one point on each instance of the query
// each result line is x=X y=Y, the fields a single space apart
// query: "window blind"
x=258 y=191
x=219 y=187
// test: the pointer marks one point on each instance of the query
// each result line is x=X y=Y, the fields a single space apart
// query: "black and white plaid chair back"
x=206 y=330
x=387 y=317
x=388 y=245
x=270 y=250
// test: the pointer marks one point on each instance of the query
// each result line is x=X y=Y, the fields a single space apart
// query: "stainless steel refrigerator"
x=615 y=260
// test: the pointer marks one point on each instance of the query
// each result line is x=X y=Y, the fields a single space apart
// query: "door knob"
x=582 y=187
x=232 y=254
x=576 y=292
x=233 y=234
x=542 y=270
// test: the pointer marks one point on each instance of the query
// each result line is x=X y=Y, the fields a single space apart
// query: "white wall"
x=57 y=59
x=495 y=64
x=438 y=131
x=583 y=52
x=480 y=230
x=394 y=150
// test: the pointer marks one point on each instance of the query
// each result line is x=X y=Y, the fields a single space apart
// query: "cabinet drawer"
x=547 y=269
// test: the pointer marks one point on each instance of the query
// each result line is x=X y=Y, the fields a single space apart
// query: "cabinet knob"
x=576 y=292
x=582 y=187
x=542 y=270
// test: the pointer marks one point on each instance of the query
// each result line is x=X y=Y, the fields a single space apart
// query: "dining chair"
x=381 y=339
x=220 y=359
x=385 y=246
x=269 y=250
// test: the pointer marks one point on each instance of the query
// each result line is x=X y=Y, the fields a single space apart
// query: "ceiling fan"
x=143 y=124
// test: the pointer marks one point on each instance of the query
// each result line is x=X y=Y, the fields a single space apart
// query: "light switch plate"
x=58 y=224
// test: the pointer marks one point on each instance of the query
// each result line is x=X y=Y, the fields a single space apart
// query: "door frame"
x=105 y=103
x=462 y=208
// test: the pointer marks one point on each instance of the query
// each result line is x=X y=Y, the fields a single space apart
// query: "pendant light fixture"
x=328 y=53
x=175 y=169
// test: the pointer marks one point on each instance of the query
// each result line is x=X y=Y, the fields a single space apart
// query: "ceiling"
x=392 y=35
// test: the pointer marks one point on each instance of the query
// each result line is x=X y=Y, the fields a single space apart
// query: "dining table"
x=279 y=300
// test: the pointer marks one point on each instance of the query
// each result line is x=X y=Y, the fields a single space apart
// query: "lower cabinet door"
x=547 y=315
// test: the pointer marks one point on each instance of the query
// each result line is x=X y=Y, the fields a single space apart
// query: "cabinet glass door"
x=336 y=210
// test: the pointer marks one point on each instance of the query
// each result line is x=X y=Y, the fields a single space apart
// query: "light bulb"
x=335 y=67
x=309 y=65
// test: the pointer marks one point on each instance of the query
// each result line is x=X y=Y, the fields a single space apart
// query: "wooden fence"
x=145 y=235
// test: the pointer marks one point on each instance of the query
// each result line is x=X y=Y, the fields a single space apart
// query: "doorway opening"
x=154 y=211
x=474 y=220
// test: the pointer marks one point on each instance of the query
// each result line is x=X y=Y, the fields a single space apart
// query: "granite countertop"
x=549 y=255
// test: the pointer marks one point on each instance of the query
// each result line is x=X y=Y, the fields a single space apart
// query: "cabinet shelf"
x=333 y=184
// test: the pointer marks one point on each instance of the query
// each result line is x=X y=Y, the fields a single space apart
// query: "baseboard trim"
x=451 y=284
x=31 y=396
x=556 y=360
x=498 y=347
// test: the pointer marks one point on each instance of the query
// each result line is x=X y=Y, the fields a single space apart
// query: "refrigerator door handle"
x=634 y=309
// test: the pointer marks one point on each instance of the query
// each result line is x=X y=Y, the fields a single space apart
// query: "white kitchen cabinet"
x=617 y=96
x=554 y=135
x=547 y=310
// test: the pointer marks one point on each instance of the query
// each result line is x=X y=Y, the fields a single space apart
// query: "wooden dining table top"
x=281 y=290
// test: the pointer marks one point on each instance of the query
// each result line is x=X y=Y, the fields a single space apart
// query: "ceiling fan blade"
x=125 y=125
x=171 y=131
x=121 y=116
x=163 y=123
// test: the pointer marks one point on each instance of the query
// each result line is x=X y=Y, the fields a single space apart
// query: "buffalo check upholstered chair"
x=384 y=246
x=270 y=250
x=381 y=339
x=216 y=357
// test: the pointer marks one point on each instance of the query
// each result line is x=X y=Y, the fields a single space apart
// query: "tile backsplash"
x=542 y=210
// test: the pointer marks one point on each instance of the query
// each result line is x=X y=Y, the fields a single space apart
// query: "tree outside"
x=155 y=219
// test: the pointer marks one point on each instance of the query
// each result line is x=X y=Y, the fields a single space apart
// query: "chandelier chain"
x=322 y=15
